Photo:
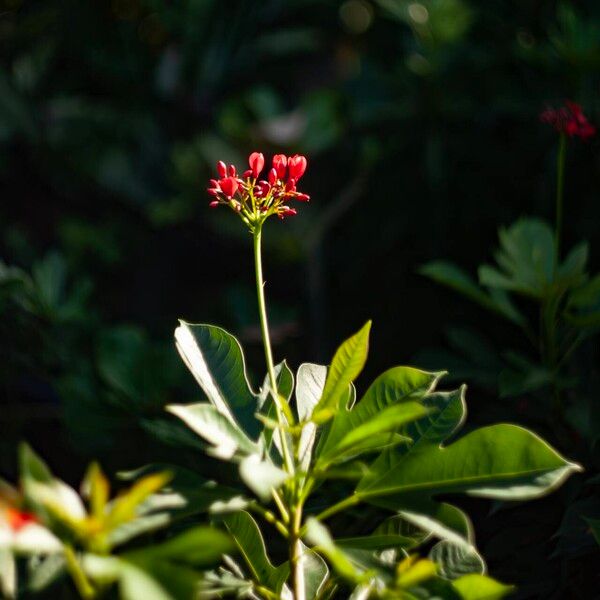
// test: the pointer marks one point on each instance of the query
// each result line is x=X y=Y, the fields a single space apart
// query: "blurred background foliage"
x=420 y=121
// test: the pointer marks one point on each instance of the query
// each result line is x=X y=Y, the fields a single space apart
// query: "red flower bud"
x=296 y=166
x=290 y=186
x=302 y=197
x=256 y=161
x=286 y=211
x=232 y=171
x=213 y=191
x=222 y=169
x=229 y=186
x=272 y=176
x=214 y=204
x=280 y=164
x=246 y=174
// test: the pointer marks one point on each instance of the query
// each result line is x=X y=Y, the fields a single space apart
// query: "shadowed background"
x=420 y=124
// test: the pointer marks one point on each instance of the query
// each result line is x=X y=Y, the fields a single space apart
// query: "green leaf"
x=225 y=436
x=266 y=405
x=187 y=494
x=393 y=533
x=481 y=587
x=374 y=433
x=346 y=365
x=199 y=547
x=310 y=382
x=525 y=259
x=261 y=476
x=50 y=496
x=249 y=542
x=500 y=461
x=216 y=360
x=315 y=572
x=383 y=400
x=454 y=277
x=319 y=536
x=8 y=573
x=456 y=560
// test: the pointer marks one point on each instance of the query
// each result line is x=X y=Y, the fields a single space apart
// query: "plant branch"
x=82 y=583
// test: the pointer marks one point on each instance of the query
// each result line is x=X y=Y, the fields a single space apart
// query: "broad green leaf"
x=216 y=360
x=226 y=438
x=393 y=533
x=261 y=476
x=525 y=258
x=500 y=461
x=373 y=433
x=319 y=536
x=431 y=518
x=315 y=572
x=456 y=560
x=448 y=411
x=310 y=381
x=392 y=389
x=346 y=365
x=250 y=544
x=481 y=587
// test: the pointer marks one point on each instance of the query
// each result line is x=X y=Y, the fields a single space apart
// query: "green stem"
x=560 y=187
x=264 y=326
x=296 y=570
x=269 y=517
x=82 y=583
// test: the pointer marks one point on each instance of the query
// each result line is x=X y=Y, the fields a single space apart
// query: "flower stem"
x=296 y=567
x=82 y=583
x=560 y=187
x=264 y=326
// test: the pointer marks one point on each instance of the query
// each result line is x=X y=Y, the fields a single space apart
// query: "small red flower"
x=17 y=519
x=280 y=165
x=296 y=166
x=256 y=162
x=570 y=120
x=229 y=186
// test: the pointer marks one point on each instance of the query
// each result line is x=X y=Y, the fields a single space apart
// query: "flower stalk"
x=560 y=188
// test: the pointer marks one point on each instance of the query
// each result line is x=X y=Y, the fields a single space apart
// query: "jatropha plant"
x=343 y=489
x=532 y=266
x=335 y=493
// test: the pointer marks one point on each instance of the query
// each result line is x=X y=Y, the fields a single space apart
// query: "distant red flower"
x=17 y=519
x=256 y=200
x=570 y=120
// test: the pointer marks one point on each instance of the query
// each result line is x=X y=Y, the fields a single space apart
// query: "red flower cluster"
x=570 y=120
x=256 y=199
